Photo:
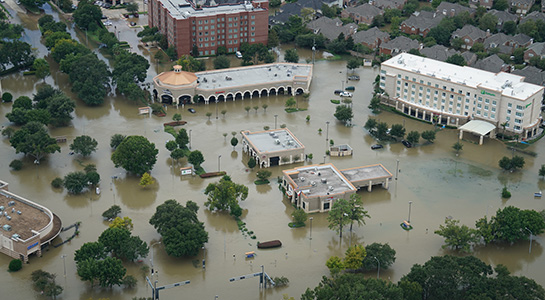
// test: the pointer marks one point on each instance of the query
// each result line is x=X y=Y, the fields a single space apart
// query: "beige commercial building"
x=273 y=147
x=315 y=188
x=181 y=87
x=453 y=95
x=25 y=226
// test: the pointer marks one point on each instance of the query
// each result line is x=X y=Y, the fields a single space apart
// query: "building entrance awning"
x=478 y=127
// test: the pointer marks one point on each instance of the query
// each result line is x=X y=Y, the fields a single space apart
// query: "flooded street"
x=439 y=184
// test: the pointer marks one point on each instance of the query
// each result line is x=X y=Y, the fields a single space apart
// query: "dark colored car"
x=377 y=146
x=191 y=110
x=133 y=23
x=406 y=143
x=135 y=15
x=337 y=92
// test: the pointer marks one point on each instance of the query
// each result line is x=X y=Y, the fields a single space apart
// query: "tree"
x=32 y=139
x=129 y=69
x=75 y=182
x=15 y=265
x=291 y=56
x=87 y=16
x=273 y=39
x=146 y=180
x=383 y=252
x=125 y=223
x=290 y=102
x=135 y=154
x=511 y=164
x=16 y=164
x=456 y=59
x=208 y=114
x=542 y=171
x=182 y=139
x=335 y=265
x=488 y=22
x=371 y=124
x=354 y=256
x=382 y=131
x=264 y=106
x=353 y=63
x=177 y=117
x=500 y=5
x=428 y=135
x=356 y=211
x=457 y=147
x=183 y=234
x=60 y=108
x=222 y=62
x=225 y=195
x=338 y=216
x=111 y=272
x=45 y=283
x=91 y=250
x=41 y=68
x=89 y=270
x=299 y=217
x=84 y=145
x=509 y=27
x=119 y=242
x=457 y=43
x=397 y=131
x=413 y=137
x=234 y=142
x=457 y=237
x=251 y=163
x=93 y=178
x=195 y=158
x=263 y=175
x=7 y=97
x=509 y=225
x=112 y=212
x=131 y=7
x=343 y=113
x=223 y=112
x=353 y=286
x=256 y=108
x=441 y=35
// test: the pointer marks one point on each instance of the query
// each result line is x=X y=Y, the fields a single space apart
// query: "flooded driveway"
x=438 y=183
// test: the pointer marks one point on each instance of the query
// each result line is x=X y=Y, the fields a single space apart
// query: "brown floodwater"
x=439 y=184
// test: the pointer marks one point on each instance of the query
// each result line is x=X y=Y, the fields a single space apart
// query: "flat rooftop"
x=273 y=140
x=182 y=9
x=508 y=84
x=319 y=180
x=31 y=218
x=253 y=75
x=366 y=173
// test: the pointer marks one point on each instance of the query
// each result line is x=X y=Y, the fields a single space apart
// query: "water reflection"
x=133 y=195
x=515 y=257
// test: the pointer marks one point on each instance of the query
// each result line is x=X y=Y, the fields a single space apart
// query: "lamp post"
x=324 y=158
x=275 y=116
x=327 y=131
x=204 y=258
x=64 y=263
x=190 y=139
x=409 y=220
x=529 y=249
x=216 y=109
x=151 y=260
x=310 y=227
x=219 y=159
x=378 y=270
x=397 y=167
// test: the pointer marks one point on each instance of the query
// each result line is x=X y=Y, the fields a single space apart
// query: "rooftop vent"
x=330 y=188
x=11 y=203
x=324 y=180
x=302 y=179
x=277 y=141
x=313 y=183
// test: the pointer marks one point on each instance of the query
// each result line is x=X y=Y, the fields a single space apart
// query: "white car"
x=345 y=94
x=107 y=23
x=238 y=54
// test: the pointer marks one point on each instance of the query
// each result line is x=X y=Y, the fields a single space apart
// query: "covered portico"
x=478 y=127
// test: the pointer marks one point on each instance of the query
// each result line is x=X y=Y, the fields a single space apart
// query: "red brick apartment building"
x=208 y=25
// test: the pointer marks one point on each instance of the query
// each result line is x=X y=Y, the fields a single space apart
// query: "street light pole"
x=275 y=116
x=190 y=138
x=397 y=167
x=327 y=131
x=378 y=270
x=151 y=261
x=219 y=157
x=530 y=249
x=310 y=227
x=409 y=220
x=216 y=109
x=64 y=263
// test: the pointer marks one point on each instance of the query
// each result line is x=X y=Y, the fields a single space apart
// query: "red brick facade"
x=210 y=27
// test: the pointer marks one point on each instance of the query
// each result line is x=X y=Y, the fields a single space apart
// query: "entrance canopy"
x=478 y=127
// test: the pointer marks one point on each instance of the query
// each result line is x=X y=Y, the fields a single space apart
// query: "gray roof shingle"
x=492 y=63
x=370 y=36
x=438 y=52
x=448 y=8
x=331 y=28
x=532 y=75
x=469 y=30
x=423 y=20
x=365 y=10
x=401 y=43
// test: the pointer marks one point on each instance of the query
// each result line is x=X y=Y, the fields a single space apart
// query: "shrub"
x=15 y=265
x=16 y=164
x=57 y=182
x=505 y=193
x=7 y=97
x=129 y=281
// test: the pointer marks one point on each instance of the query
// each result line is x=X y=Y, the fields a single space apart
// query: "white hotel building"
x=425 y=88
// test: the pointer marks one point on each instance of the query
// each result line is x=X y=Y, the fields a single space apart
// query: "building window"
x=509 y=104
x=493 y=116
x=494 y=102
x=326 y=205
x=508 y=111
x=486 y=107
x=519 y=107
x=517 y=127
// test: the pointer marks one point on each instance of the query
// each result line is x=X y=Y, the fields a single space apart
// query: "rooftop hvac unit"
x=2 y=208
x=324 y=180
x=315 y=169
x=6 y=227
x=19 y=212
x=11 y=203
x=274 y=135
x=277 y=141
x=330 y=188
x=313 y=183
x=13 y=209
x=9 y=218
x=15 y=236
x=271 y=133
x=302 y=179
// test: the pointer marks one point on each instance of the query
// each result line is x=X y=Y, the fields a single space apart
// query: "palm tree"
x=208 y=114
x=247 y=109
x=357 y=212
x=256 y=108
x=223 y=112
x=265 y=107
x=503 y=125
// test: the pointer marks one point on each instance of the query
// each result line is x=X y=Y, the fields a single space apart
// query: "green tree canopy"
x=222 y=62
x=183 y=234
x=457 y=237
x=33 y=139
x=135 y=154
x=225 y=195
x=343 y=113
x=397 y=131
x=338 y=216
x=87 y=16
x=291 y=56
x=457 y=59
x=429 y=135
x=195 y=158
x=92 y=250
x=120 y=242
x=41 y=67
x=75 y=182
x=509 y=225
x=383 y=252
x=116 y=140
x=413 y=137
x=353 y=286
x=84 y=145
